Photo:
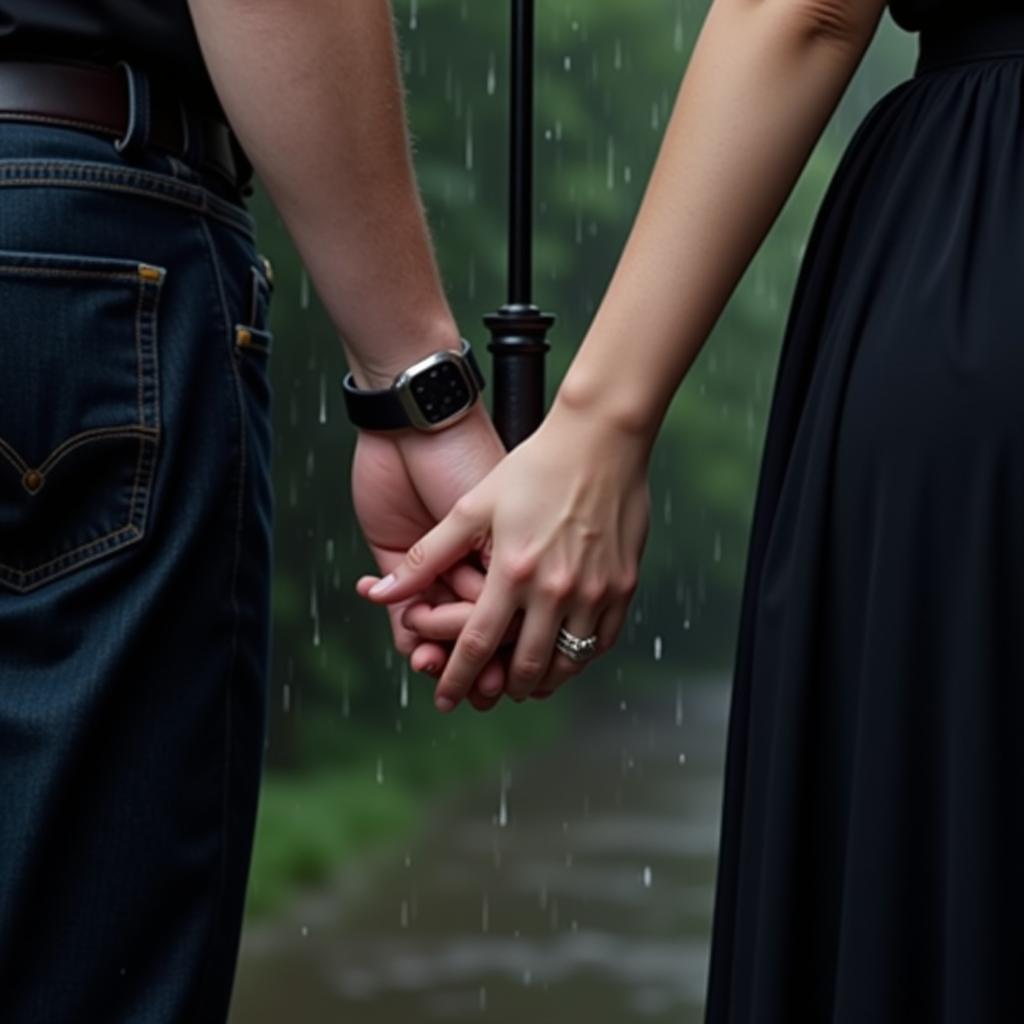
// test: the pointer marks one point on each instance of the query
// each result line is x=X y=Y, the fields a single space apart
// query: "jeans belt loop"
x=140 y=112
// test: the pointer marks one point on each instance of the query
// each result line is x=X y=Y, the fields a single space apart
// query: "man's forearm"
x=313 y=91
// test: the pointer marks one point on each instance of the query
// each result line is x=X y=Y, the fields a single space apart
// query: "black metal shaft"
x=520 y=206
x=519 y=329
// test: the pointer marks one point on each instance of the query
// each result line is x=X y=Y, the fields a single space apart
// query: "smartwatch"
x=430 y=395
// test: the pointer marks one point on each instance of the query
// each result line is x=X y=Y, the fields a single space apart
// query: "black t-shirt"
x=157 y=35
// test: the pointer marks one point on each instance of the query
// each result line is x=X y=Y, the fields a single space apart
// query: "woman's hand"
x=565 y=516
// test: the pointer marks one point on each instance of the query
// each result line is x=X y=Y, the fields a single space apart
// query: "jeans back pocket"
x=79 y=410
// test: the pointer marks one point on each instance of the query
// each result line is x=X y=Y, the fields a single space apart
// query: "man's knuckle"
x=417 y=555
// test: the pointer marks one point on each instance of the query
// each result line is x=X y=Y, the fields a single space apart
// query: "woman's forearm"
x=762 y=82
x=314 y=93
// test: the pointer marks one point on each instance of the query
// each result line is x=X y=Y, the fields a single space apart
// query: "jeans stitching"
x=149 y=293
x=87 y=174
x=84 y=436
x=41 y=574
x=254 y=332
x=35 y=271
x=145 y=316
x=236 y=559
x=11 y=115
x=13 y=457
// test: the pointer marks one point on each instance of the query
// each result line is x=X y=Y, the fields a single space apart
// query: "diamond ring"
x=576 y=648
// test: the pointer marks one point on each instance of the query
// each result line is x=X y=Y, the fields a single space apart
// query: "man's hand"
x=401 y=486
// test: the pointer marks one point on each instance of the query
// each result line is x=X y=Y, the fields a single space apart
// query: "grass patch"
x=311 y=823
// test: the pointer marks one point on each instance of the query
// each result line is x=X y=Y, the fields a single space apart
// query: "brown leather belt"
x=95 y=98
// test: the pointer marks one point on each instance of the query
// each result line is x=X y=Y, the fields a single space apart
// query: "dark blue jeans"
x=135 y=550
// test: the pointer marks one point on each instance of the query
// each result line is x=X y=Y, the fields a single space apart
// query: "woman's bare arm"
x=763 y=80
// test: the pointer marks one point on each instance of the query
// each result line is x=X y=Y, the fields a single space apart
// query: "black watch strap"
x=382 y=409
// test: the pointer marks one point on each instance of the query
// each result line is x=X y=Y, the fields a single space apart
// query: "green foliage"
x=312 y=821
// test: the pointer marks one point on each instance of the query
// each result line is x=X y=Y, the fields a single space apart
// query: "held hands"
x=565 y=517
x=400 y=489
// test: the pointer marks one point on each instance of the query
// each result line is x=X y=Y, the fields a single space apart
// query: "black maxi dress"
x=871 y=867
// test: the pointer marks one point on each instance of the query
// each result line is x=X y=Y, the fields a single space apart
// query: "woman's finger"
x=562 y=668
x=439 y=549
x=488 y=689
x=534 y=649
x=477 y=643
x=610 y=625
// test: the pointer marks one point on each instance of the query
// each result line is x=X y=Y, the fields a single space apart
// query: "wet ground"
x=573 y=885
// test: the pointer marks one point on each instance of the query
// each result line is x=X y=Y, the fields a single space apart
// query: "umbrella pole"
x=519 y=329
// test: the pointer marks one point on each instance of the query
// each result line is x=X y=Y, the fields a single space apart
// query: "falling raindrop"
x=679 y=704
x=414 y=15
x=403 y=689
x=527 y=976
x=502 y=818
x=286 y=698
x=610 y=181
x=647 y=877
x=304 y=289
x=677 y=35
x=718 y=545
x=657 y=648
x=483 y=997
x=682 y=758
x=323 y=398
x=492 y=77
x=469 y=139
x=403 y=915
x=380 y=769
x=567 y=62
x=485 y=914
x=617 y=59
x=305 y=931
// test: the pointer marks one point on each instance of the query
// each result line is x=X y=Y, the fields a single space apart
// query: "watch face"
x=440 y=392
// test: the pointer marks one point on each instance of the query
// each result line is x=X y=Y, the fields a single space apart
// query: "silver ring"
x=576 y=648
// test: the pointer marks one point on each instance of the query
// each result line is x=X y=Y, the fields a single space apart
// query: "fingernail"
x=444 y=703
x=491 y=687
x=431 y=669
x=383 y=586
